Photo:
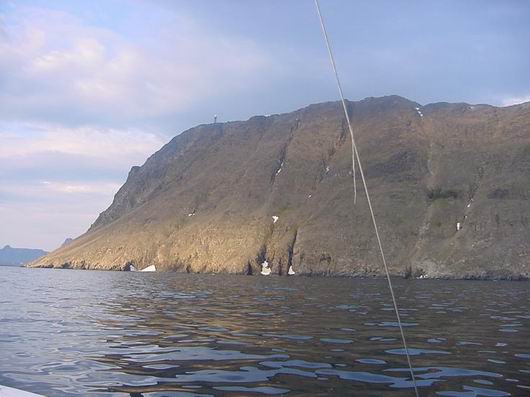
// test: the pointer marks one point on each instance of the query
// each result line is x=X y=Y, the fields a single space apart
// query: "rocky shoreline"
x=405 y=275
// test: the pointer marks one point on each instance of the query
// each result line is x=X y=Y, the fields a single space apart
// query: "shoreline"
x=465 y=277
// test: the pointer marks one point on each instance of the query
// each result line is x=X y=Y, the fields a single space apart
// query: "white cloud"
x=74 y=187
x=44 y=213
x=58 y=68
x=56 y=180
x=122 y=147
x=46 y=225
x=41 y=191
x=516 y=100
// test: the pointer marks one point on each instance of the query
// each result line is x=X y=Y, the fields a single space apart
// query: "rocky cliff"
x=450 y=184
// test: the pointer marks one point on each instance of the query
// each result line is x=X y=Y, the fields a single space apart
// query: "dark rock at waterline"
x=450 y=184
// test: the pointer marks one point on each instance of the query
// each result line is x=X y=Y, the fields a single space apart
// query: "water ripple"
x=69 y=333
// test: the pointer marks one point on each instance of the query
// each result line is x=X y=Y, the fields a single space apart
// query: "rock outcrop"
x=450 y=184
x=67 y=241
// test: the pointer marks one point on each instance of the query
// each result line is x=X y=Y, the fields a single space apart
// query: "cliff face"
x=205 y=202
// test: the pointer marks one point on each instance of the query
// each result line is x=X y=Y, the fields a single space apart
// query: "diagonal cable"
x=355 y=154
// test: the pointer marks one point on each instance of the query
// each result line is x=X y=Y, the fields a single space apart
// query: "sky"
x=89 y=89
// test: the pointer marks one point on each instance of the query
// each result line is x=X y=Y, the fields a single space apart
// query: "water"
x=65 y=332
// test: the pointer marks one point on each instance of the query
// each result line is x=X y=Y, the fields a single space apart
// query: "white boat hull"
x=10 y=392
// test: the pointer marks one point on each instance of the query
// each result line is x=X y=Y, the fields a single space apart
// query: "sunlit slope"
x=205 y=202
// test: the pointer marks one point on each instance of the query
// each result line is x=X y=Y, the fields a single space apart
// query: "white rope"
x=339 y=85
x=355 y=153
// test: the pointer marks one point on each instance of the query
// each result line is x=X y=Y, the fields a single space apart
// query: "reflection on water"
x=65 y=332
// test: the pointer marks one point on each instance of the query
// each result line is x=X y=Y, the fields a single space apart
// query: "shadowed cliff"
x=450 y=185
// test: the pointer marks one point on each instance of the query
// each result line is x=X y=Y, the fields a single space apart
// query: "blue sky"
x=90 y=88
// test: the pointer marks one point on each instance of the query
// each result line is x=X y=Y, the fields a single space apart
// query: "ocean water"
x=66 y=332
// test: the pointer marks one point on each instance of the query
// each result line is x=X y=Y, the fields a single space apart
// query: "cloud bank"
x=56 y=68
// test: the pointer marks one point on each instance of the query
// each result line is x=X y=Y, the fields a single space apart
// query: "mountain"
x=67 y=241
x=18 y=256
x=450 y=185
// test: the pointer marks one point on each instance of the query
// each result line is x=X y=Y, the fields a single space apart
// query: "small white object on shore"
x=291 y=272
x=150 y=268
x=265 y=269
x=279 y=169
x=274 y=219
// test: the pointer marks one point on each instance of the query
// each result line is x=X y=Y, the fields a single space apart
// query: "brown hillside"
x=205 y=202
